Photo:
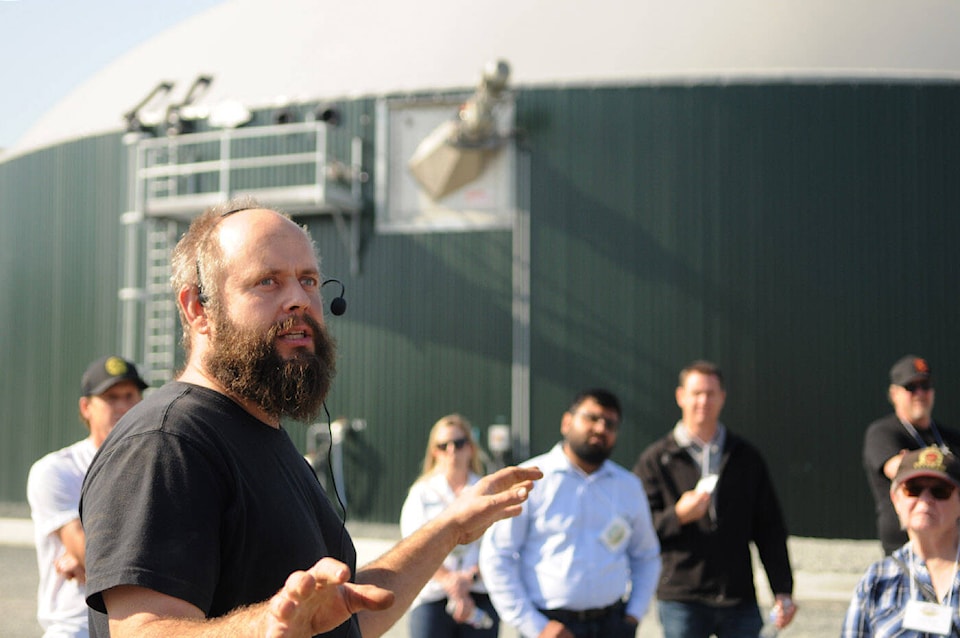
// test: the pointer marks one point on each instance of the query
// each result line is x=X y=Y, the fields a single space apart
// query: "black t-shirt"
x=883 y=439
x=193 y=497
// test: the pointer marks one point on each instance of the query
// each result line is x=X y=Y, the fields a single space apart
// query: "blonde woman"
x=450 y=464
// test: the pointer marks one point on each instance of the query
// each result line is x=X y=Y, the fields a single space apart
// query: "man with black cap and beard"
x=909 y=427
x=582 y=560
x=202 y=518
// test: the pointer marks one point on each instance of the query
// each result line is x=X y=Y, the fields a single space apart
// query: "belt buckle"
x=586 y=615
x=583 y=615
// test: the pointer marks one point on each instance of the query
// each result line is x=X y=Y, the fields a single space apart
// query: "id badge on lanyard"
x=927 y=617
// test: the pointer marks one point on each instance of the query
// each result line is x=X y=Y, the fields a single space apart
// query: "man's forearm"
x=74 y=540
x=404 y=570
x=189 y=622
x=310 y=602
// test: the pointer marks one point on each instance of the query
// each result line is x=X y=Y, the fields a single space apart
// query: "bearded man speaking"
x=202 y=518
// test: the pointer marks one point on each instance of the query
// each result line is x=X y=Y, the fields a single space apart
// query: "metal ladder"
x=160 y=311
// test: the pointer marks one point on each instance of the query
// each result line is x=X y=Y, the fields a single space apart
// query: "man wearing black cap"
x=110 y=386
x=909 y=427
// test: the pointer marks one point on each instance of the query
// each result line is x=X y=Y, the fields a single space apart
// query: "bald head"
x=254 y=244
x=217 y=236
x=258 y=227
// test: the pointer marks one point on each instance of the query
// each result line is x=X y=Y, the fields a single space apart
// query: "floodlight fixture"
x=177 y=120
x=132 y=117
x=327 y=113
x=477 y=124
x=458 y=150
x=200 y=85
x=284 y=115
x=229 y=114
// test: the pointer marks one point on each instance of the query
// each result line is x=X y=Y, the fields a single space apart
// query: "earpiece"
x=338 y=305
x=201 y=296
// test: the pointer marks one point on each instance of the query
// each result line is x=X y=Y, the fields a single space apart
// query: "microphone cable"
x=343 y=507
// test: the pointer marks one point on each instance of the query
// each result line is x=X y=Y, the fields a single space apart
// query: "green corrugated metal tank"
x=687 y=198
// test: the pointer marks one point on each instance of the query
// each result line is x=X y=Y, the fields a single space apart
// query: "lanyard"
x=916 y=435
x=913 y=578
x=704 y=453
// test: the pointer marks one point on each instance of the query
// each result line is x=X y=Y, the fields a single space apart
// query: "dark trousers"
x=431 y=620
x=693 y=620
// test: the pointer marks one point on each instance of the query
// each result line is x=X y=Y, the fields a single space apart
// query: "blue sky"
x=49 y=47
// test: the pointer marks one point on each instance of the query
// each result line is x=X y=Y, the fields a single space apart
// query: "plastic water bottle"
x=478 y=620
x=770 y=629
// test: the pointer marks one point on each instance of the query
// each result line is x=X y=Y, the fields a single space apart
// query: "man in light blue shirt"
x=582 y=559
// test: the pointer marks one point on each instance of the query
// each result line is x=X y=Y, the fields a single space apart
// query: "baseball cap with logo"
x=106 y=372
x=909 y=369
x=929 y=461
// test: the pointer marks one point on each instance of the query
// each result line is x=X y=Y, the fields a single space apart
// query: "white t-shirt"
x=53 y=491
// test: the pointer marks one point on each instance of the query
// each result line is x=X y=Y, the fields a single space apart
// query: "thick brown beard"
x=248 y=365
x=593 y=454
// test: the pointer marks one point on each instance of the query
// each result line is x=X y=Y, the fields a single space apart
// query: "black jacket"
x=708 y=561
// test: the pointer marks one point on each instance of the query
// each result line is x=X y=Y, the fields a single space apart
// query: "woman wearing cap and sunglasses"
x=916 y=590
x=448 y=605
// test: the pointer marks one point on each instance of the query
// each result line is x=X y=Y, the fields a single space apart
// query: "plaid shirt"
x=880 y=599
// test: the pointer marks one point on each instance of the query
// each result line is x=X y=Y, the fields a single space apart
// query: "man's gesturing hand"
x=320 y=599
x=496 y=496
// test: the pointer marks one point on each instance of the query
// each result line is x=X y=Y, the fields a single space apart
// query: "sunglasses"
x=591 y=418
x=457 y=444
x=918 y=385
x=940 y=491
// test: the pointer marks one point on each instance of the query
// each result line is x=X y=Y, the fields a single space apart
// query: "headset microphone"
x=338 y=305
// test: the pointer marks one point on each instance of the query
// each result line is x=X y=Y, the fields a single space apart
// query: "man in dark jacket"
x=711 y=495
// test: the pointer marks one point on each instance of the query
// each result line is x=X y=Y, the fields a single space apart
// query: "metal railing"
x=175 y=178
x=285 y=164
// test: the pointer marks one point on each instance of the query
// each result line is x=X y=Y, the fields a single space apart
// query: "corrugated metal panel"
x=60 y=252
x=426 y=333
x=801 y=236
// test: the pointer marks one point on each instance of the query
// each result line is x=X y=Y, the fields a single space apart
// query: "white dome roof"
x=303 y=50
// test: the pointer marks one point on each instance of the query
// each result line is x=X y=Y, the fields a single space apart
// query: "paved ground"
x=18 y=592
x=826 y=572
